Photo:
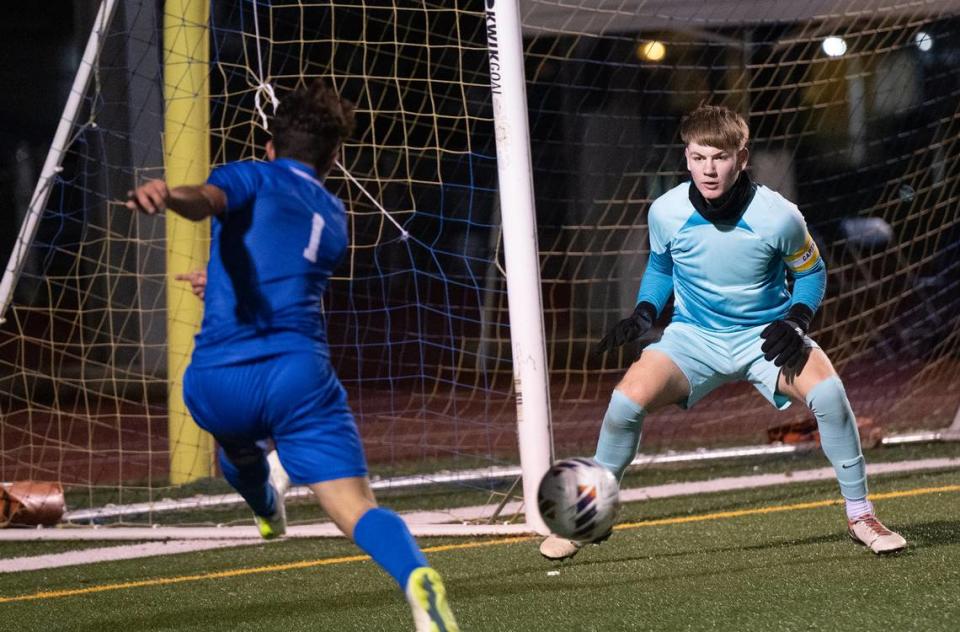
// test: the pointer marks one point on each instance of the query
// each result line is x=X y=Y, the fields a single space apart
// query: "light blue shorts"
x=710 y=359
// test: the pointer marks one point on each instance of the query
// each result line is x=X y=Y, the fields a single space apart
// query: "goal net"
x=853 y=108
x=417 y=313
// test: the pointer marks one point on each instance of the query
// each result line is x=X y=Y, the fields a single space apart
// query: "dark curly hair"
x=310 y=124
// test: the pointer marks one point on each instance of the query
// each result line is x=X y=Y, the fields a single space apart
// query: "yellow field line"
x=722 y=515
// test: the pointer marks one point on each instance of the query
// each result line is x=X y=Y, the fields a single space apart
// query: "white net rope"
x=865 y=143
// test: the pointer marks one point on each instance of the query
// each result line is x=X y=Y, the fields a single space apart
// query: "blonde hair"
x=715 y=126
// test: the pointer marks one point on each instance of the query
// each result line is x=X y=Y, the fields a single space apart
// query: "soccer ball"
x=579 y=499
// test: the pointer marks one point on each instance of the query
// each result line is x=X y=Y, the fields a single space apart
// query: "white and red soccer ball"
x=579 y=499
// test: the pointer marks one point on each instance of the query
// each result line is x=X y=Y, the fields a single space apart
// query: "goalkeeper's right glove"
x=630 y=328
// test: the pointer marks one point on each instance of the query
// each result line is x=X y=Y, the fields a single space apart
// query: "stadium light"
x=924 y=41
x=834 y=46
x=651 y=51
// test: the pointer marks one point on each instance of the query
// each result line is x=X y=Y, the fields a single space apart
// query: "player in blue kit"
x=261 y=367
x=722 y=246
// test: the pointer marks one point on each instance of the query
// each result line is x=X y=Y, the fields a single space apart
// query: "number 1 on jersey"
x=310 y=252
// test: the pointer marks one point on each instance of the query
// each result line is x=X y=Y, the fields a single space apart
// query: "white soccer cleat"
x=870 y=532
x=276 y=525
x=428 y=602
x=557 y=549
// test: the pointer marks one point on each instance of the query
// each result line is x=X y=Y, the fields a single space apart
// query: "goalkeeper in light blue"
x=724 y=246
x=261 y=369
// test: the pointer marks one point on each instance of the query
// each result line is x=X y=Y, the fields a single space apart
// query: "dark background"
x=418 y=329
x=41 y=44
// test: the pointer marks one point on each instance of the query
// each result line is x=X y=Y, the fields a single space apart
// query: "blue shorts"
x=295 y=399
x=710 y=359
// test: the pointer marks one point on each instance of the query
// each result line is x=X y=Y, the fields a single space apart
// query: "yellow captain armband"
x=805 y=258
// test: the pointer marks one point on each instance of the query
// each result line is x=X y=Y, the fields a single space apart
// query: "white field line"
x=96 y=514
x=80 y=516
x=766 y=480
x=452 y=522
x=669 y=490
x=112 y=553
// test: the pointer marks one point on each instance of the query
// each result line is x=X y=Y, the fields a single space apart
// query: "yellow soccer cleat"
x=273 y=527
x=276 y=525
x=428 y=601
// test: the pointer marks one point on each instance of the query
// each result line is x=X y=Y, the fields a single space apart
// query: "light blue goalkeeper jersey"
x=729 y=277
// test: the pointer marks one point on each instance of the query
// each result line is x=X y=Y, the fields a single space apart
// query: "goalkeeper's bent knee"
x=839 y=436
x=620 y=433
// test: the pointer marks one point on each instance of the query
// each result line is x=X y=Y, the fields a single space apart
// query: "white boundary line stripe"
x=766 y=480
x=445 y=523
x=487 y=473
x=690 y=488
x=198 y=502
x=421 y=523
x=453 y=522
x=219 y=534
x=114 y=553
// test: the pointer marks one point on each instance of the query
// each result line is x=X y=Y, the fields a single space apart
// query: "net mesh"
x=864 y=142
x=416 y=316
x=853 y=116
x=416 y=313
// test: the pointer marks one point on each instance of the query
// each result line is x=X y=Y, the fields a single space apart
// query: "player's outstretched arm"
x=194 y=202
x=630 y=328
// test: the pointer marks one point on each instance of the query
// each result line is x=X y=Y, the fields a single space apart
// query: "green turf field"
x=721 y=561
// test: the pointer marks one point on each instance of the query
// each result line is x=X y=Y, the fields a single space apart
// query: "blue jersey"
x=731 y=277
x=271 y=255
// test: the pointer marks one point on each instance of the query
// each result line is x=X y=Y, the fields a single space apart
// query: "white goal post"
x=518 y=215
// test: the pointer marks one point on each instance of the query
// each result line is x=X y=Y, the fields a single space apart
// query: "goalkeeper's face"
x=714 y=170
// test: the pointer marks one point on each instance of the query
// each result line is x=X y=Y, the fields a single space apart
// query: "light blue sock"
x=384 y=536
x=620 y=433
x=839 y=436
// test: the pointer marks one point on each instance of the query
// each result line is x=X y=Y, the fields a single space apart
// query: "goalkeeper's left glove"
x=783 y=339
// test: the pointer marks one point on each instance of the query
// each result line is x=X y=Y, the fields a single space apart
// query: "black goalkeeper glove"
x=783 y=339
x=630 y=328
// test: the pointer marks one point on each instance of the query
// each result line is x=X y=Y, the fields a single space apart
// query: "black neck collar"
x=730 y=205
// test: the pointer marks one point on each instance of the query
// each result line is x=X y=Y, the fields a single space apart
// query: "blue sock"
x=839 y=436
x=620 y=433
x=385 y=537
x=249 y=476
